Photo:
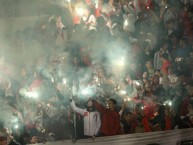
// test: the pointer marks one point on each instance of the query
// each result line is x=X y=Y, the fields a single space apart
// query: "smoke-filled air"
x=121 y=66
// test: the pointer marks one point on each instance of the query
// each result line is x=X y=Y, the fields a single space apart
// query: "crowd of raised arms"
x=109 y=68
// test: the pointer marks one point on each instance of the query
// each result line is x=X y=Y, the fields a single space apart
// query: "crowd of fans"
x=122 y=67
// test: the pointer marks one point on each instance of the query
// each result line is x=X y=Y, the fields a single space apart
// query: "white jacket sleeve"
x=98 y=123
x=76 y=109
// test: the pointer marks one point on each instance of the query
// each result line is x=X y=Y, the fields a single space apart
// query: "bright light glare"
x=32 y=94
x=123 y=92
x=85 y=92
x=136 y=83
x=170 y=103
x=129 y=99
x=48 y=105
x=121 y=62
x=16 y=126
x=64 y=81
x=97 y=4
x=52 y=79
x=80 y=11
x=126 y=23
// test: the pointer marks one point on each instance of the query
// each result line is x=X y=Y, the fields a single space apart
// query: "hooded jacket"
x=92 y=120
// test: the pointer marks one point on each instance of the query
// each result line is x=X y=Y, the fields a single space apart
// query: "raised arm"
x=76 y=109
x=99 y=107
x=124 y=105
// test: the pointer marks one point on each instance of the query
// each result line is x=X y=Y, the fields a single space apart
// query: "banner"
x=173 y=137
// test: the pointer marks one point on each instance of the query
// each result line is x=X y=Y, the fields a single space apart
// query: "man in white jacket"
x=92 y=120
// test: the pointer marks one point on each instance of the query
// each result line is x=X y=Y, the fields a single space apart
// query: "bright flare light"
x=126 y=23
x=136 y=83
x=32 y=94
x=79 y=11
x=123 y=92
x=64 y=81
x=170 y=103
x=121 y=62
x=52 y=79
x=129 y=99
x=97 y=4
x=86 y=91
x=16 y=126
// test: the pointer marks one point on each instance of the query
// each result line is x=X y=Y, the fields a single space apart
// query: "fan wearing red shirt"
x=165 y=64
x=110 y=118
